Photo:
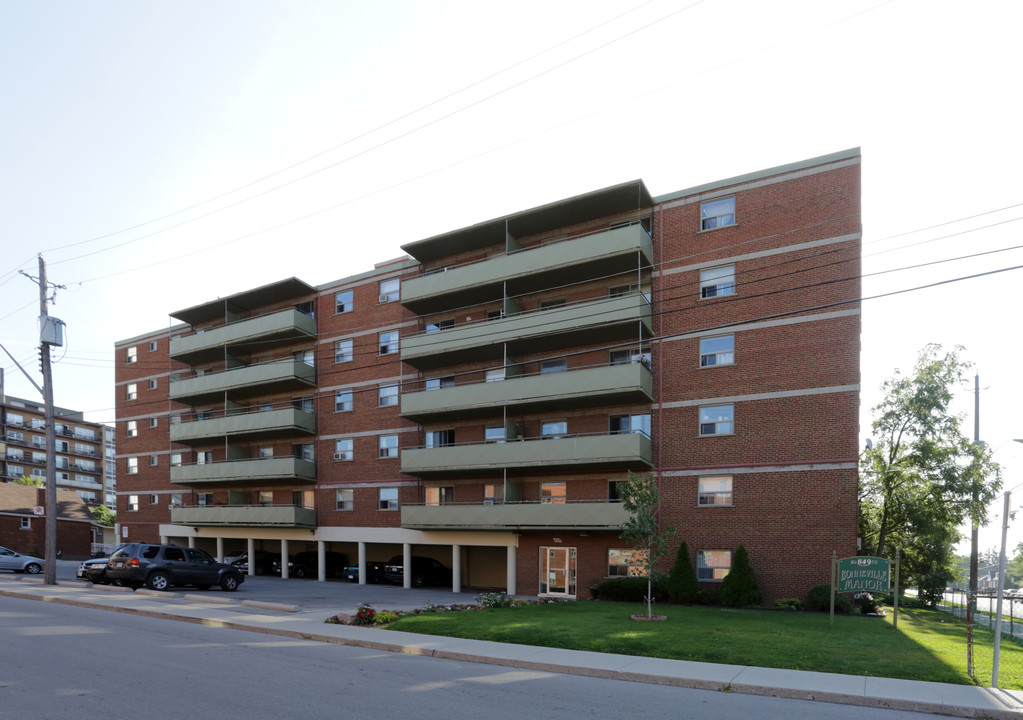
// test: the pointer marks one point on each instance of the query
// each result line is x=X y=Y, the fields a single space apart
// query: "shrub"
x=707 y=597
x=819 y=600
x=632 y=589
x=385 y=616
x=365 y=615
x=739 y=588
x=789 y=603
x=682 y=582
x=493 y=600
x=865 y=603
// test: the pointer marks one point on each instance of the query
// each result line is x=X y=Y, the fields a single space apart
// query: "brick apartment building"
x=478 y=400
x=79 y=446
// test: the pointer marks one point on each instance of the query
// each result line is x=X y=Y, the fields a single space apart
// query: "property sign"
x=864 y=574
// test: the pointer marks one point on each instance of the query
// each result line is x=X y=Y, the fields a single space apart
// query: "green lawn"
x=927 y=645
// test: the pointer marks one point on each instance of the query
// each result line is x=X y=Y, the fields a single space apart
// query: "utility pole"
x=50 y=572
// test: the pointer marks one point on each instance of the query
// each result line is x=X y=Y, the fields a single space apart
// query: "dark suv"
x=425 y=571
x=161 y=566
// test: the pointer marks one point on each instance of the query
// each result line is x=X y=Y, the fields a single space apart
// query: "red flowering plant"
x=365 y=615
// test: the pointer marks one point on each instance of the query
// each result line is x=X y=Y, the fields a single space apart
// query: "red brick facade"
x=372 y=397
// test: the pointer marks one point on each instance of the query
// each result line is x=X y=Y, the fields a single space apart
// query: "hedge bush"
x=682 y=582
x=739 y=588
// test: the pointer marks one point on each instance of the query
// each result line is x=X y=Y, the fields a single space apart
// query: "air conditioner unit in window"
x=339 y=456
x=383 y=299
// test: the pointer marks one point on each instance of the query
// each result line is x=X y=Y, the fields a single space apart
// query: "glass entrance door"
x=557 y=571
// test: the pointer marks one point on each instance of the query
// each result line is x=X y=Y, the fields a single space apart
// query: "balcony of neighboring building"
x=523 y=515
x=600 y=254
x=283 y=516
x=245 y=424
x=621 y=384
x=605 y=320
x=244 y=382
x=262 y=332
x=610 y=451
x=276 y=470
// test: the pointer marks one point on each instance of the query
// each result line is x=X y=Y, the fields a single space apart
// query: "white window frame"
x=709 y=565
x=553 y=493
x=387 y=498
x=344 y=351
x=154 y=460
x=344 y=449
x=387 y=396
x=133 y=503
x=152 y=384
x=387 y=342
x=132 y=466
x=344 y=301
x=553 y=365
x=714 y=491
x=344 y=499
x=717 y=213
x=718 y=281
x=344 y=401
x=387 y=446
x=132 y=391
x=722 y=423
x=132 y=429
x=390 y=290
x=131 y=355
x=26 y=523
x=711 y=357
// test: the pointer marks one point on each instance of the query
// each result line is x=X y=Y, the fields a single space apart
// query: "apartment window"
x=439 y=325
x=154 y=460
x=16 y=435
x=133 y=428
x=305 y=451
x=175 y=460
x=717 y=420
x=131 y=355
x=388 y=499
x=490 y=495
x=440 y=438
x=15 y=471
x=715 y=490
x=177 y=499
x=718 y=350
x=154 y=499
x=438 y=383
x=390 y=290
x=305 y=356
x=133 y=503
x=15 y=419
x=436 y=496
x=266 y=452
x=344 y=401
x=152 y=384
x=387 y=395
x=204 y=499
x=39 y=473
x=553 y=493
x=38 y=424
x=343 y=449
x=717 y=213
x=132 y=391
x=343 y=351
x=26 y=523
x=344 y=499
x=557 y=365
x=133 y=466
x=554 y=429
x=204 y=458
x=153 y=422
x=307 y=308
x=632 y=355
x=388 y=446
x=622 y=424
x=306 y=404
x=495 y=434
x=389 y=342
x=496 y=374
x=265 y=498
x=716 y=282
x=495 y=314
x=343 y=301
x=551 y=304
x=625 y=562
x=152 y=346
x=713 y=565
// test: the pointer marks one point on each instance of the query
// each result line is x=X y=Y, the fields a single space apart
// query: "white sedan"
x=10 y=560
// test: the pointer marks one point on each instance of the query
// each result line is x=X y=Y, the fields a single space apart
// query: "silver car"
x=10 y=560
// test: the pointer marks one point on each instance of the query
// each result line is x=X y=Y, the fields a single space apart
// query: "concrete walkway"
x=227 y=610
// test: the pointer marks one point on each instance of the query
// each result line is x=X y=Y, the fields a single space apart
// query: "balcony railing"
x=581 y=515
x=606 y=451
x=262 y=470
x=283 y=326
x=267 y=378
x=251 y=424
x=245 y=516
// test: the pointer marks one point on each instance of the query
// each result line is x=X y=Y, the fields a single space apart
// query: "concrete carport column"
x=363 y=570
x=456 y=568
x=250 y=552
x=220 y=549
x=406 y=575
x=284 y=560
x=510 y=580
x=321 y=560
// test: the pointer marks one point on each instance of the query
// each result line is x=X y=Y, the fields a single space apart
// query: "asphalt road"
x=64 y=662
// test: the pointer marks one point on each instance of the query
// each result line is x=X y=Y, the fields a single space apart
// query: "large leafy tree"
x=923 y=478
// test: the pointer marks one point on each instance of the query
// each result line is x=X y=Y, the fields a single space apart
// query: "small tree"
x=26 y=480
x=739 y=588
x=682 y=581
x=641 y=499
x=103 y=515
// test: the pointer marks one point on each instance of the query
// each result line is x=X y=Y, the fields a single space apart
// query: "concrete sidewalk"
x=226 y=610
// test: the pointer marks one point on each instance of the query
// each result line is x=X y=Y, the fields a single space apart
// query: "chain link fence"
x=980 y=621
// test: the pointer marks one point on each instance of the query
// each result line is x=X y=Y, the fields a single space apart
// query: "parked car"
x=425 y=571
x=264 y=562
x=307 y=564
x=95 y=569
x=160 y=567
x=11 y=560
x=374 y=572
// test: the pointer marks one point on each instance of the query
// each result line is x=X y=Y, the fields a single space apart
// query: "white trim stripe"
x=763 y=396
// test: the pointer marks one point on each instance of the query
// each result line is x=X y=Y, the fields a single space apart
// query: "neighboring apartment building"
x=79 y=446
x=478 y=401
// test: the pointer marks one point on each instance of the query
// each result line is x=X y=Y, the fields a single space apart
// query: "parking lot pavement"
x=310 y=595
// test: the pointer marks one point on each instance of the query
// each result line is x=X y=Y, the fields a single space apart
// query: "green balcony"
x=243 y=382
x=262 y=471
x=604 y=385
x=287 y=516
x=267 y=330
x=607 y=320
x=599 y=255
x=250 y=425
x=611 y=452
x=516 y=516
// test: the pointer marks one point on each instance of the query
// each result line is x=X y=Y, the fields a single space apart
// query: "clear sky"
x=162 y=154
